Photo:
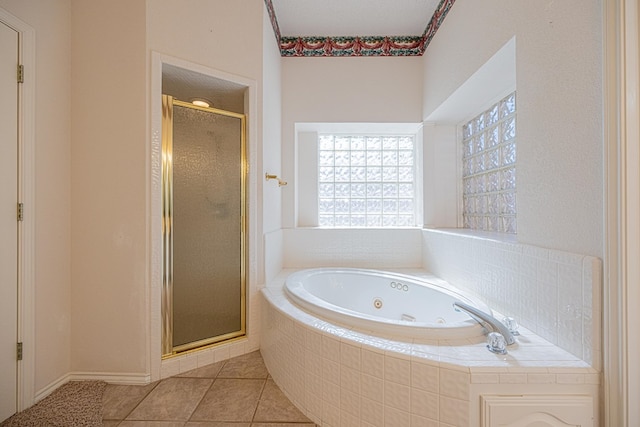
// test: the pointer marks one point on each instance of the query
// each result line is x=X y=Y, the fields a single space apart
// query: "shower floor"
x=233 y=393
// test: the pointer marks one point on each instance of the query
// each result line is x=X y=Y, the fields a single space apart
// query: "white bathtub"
x=384 y=303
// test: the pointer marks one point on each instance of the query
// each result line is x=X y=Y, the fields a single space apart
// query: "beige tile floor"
x=234 y=393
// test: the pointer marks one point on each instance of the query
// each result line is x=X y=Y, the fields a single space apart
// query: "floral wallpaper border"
x=359 y=46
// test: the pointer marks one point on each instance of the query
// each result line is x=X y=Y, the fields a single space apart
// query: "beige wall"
x=108 y=174
x=51 y=22
x=559 y=84
x=334 y=90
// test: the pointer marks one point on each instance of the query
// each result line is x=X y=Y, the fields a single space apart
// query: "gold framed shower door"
x=204 y=205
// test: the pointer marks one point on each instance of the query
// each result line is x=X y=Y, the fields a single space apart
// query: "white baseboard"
x=109 y=377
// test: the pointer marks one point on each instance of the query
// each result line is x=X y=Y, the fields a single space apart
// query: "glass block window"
x=366 y=180
x=489 y=168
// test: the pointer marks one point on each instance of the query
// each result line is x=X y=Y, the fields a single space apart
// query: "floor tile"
x=230 y=400
x=208 y=371
x=283 y=425
x=151 y=424
x=215 y=424
x=119 y=400
x=275 y=407
x=249 y=365
x=174 y=399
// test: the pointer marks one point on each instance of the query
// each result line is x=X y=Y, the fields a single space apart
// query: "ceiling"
x=356 y=27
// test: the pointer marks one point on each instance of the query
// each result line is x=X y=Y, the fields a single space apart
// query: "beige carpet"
x=77 y=403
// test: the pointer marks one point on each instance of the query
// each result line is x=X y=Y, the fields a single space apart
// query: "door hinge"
x=20 y=73
x=20 y=211
x=19 y=351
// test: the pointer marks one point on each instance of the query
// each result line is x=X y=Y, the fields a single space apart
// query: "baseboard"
x=109 y=377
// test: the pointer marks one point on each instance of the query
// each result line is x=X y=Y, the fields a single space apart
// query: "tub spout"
x=486 y=320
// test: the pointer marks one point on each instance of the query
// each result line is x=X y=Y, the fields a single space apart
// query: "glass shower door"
x=204 y=202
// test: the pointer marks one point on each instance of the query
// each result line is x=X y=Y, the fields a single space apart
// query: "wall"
x=108 y=174
x=51 y=21
x=336 y=90
x=559 y=84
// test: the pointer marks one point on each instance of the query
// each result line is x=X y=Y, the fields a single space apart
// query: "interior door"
x=8 y=220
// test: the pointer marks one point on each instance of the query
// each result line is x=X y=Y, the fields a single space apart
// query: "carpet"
x=76 y=403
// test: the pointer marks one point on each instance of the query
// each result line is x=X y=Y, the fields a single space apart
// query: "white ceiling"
x=352 y=18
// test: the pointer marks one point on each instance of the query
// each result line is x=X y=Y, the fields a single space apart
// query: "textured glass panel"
x=374 y=174
x=358 y=143
x=493 y=181
x=342 y=220
x=509 y=129
x=342 y=158
x=405 y=190
x=326 y=158
x=508 y=153
x=342 y=174
x=389 y=220
x=343 y=190
x=342 y=143
x=374 y=206
x=358 y=220
x=468 y=147
x=207 y=239
x=374 y=143
x=390 y=206
x=390 y=190
x=325 y=190
x=492 y=206
x=405 y=206
x=488 y=171
x=326 y=174
x=326 y=206
x=358 y=158
x=374 y=190
x=358 y=206
x=325 y=142
x=342 y=206
x=358 y=174
x=405 y=174
x=325 y=221
x=374 y=158
x=405 y=220
x=509 y=224
x=405 y=158
x=479 y=124
x=493 y=136
x=390 y=143
x=389 y=174
x=358 y=190
x=492 y=114
x=405 y=143
x=374 y=220
x=493 y=223
x=390 y=158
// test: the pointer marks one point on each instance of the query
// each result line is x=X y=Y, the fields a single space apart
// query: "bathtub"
x=384 y=303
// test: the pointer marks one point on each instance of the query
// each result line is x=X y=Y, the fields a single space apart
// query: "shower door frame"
x=168 y=349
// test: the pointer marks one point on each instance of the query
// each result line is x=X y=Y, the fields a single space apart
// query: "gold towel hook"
x=268 y=176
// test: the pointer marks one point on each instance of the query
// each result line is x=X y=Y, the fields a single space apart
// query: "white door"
x=8 y=220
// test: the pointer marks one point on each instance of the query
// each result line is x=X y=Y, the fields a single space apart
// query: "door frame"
x=26 y=194
x=621 y=84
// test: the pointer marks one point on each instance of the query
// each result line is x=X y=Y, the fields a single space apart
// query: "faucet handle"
x=512 y=325
x=496 y=343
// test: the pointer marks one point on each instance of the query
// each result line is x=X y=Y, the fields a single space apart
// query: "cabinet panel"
x=537 y=411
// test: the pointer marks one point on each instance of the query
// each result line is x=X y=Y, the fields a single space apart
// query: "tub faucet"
x=486 y=320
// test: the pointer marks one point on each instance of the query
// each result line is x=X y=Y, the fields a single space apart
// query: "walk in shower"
x=204 y=225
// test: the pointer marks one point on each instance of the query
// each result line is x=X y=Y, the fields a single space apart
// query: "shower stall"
x=204 y=169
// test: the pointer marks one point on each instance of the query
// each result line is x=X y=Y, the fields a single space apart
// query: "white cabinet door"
x=537 y=411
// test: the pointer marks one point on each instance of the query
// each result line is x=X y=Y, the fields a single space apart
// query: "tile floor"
x=234 y=393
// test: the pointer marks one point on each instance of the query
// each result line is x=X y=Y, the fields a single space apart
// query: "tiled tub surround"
x=553 y=293
x=342 y=377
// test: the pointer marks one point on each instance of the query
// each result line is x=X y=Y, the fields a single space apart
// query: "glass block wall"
x=366 y=180
x=489 y=169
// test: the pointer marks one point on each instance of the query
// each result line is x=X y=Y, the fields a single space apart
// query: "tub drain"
x=377 y=303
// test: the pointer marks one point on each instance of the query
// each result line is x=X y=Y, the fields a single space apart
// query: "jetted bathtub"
x=384 y=303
